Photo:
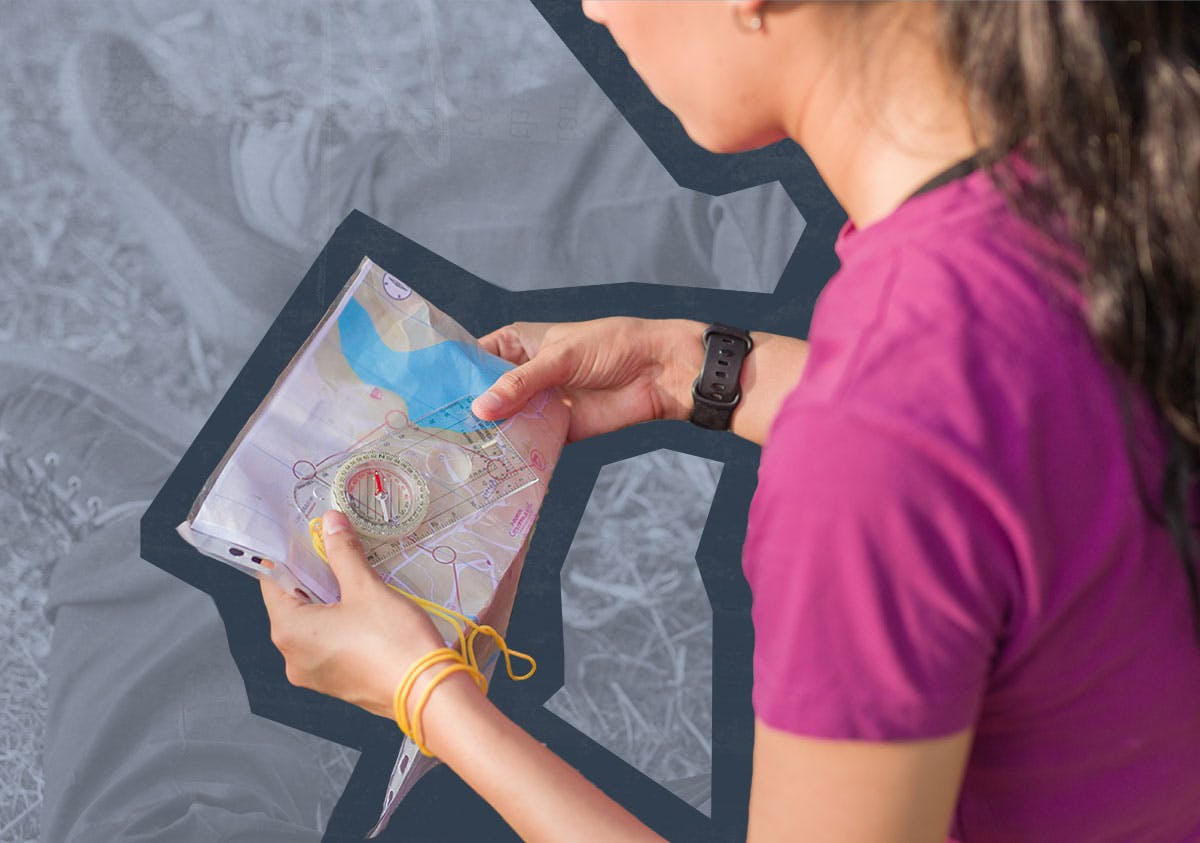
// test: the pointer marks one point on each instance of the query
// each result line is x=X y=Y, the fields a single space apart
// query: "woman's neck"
x=878 y=132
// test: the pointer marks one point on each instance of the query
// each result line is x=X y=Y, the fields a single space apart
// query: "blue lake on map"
x=426 y=378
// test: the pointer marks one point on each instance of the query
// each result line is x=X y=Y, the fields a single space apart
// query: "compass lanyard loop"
x=460 y=622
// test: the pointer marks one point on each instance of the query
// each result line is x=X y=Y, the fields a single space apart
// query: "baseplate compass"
x=416 y=480
x=382 y=494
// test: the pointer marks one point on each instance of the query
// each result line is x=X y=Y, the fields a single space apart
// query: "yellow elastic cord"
x=467 y=642
x=418 y=733
x=501 y=646
x=445 y=654
x=412 y=726
x=459 y=621
x=318 y=539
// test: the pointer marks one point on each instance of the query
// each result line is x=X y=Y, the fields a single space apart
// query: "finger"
x=346 y=555
x=494 y=343
x=278 y=602
x=513 y=389
x=516 y=342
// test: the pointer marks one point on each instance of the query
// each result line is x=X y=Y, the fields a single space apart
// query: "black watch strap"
x=717 y=390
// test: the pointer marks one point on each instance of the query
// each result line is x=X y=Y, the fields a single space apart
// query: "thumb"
x=346 y=556
x=513 y=389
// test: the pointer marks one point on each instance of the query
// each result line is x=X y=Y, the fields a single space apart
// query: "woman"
x=971 y=549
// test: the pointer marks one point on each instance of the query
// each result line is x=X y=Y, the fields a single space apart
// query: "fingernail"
x=334 y=522
x=489 y=402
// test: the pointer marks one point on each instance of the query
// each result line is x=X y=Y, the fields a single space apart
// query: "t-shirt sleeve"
x=880 y=578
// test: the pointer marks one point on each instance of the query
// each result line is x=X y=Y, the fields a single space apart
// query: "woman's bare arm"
x=770 y=371
x=622 y=370
x=539 y=794
x=802 y=789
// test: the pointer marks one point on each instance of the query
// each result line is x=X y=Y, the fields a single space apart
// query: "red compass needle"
x=382 y=497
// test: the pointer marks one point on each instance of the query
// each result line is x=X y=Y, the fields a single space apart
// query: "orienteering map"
x=387 y=369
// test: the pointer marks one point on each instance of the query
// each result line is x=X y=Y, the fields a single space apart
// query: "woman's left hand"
x=360 y=648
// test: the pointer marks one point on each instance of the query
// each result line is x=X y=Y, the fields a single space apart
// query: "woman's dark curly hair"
x=1106 y=99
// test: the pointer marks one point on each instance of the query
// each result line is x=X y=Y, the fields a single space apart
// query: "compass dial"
x=382 y=494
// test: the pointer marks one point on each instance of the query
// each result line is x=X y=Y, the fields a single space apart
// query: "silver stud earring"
x=754 y=24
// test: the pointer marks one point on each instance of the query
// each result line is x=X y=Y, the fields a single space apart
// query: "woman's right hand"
x=613 y=372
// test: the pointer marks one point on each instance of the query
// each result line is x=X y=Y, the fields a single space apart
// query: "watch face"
x=382 y=494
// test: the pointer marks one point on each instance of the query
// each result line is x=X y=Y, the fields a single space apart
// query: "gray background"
x=467 y=126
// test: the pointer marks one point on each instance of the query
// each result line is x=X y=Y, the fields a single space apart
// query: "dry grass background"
x=637 y=622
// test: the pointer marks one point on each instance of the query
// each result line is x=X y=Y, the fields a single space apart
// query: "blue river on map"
x=426 y=378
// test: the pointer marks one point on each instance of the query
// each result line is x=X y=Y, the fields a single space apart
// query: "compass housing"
x=382 y=494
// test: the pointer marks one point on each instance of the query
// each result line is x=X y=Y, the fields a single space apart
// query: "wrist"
x=717 y=389
x=453 y=704
x=424 y=687
x=679 y=350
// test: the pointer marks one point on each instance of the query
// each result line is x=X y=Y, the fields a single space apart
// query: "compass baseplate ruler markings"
x=412 y=483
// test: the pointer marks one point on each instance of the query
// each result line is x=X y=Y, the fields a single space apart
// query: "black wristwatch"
x=717 y=390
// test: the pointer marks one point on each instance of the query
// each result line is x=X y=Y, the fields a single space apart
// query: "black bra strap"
x=955 y=171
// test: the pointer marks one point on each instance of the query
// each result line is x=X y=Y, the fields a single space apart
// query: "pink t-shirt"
x=947 y=532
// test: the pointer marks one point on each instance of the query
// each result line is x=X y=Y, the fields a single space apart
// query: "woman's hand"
x=614 y=372
x=622 y=370
x=360 y=648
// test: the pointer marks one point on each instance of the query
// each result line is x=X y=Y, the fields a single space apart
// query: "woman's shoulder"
x=972 y=334
x=960 y=262
x=965 y=354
